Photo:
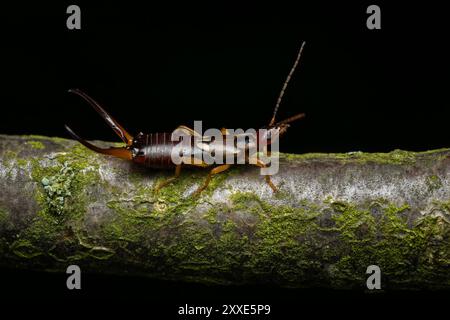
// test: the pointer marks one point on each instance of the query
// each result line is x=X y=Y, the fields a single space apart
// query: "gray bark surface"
x=336 y=214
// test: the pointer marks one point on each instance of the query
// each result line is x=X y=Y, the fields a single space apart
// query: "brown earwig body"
x=154 y=150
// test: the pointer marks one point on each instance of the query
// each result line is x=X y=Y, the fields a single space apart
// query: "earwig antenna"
x=280 y=97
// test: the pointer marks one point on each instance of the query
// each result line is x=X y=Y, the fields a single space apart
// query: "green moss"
x=58 y=188
x=211 y=215
x=290 y=244
x=445 y=205
x=57 y=140
x=391 y=243
x=22 y=163
x=9 y=155
x=172 y=235
x=62 y=183
x=25 y=249
x=101 y=253
x=434 y=183
x=394 y=157
x=36 y=144
x=149 y=210
x=283 y=241
x=3 y=215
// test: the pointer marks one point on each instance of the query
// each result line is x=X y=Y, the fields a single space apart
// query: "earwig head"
x=279 y=128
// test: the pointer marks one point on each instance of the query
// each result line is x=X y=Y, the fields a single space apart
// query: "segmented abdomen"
x=157 y=149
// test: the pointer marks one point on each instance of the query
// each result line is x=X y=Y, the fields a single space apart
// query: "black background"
x=157 y=66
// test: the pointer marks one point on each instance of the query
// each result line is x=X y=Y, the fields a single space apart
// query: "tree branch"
x=336 y=214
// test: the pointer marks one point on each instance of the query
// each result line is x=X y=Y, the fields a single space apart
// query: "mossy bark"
x=336 y=214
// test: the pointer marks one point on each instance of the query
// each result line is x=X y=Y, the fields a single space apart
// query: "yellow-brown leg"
x=214 y=171
x=261 y=164
x=170 y=180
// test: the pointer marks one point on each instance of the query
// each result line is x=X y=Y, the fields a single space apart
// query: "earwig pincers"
x=154 y=150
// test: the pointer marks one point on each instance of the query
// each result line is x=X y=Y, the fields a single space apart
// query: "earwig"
x=154 y=150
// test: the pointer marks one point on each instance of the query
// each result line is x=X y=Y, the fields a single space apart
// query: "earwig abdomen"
x=154 y=150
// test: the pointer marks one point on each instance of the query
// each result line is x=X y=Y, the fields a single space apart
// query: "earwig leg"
x=120 y=131
x=170 y=180
x=191 y=161
x=214 y=171
x=187 y=131
x=261 y=164
x=123 y=153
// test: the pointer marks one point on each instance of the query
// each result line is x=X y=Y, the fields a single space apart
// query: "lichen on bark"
x=336 y=214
